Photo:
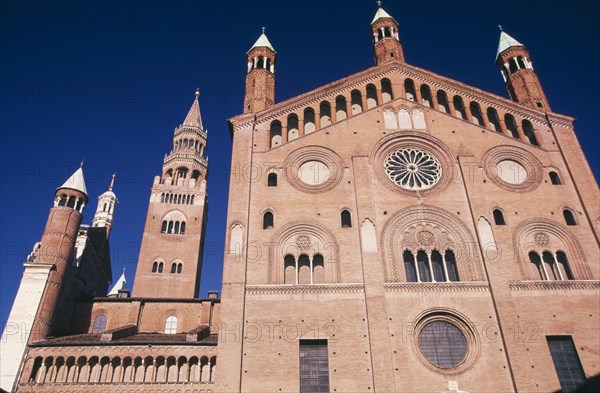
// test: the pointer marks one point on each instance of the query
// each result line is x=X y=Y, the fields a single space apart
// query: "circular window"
x=413 y=169
x=443 y=344
x=511 y=172
x=313 y=173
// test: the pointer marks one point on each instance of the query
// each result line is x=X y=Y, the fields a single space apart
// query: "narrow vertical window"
x=561 y=258
x=173 y=268
x=499 y=217
x=346 y=219
x=569 y=217
x=534 y=258
x=554 y=178
x=268 y=220
x=438 y=266
x=272 y=180
x=289 y=266
x=171 y=325
x=566 y=362
x=423 y=264
x=314 y=366
x=551 y=268
x=154 y=267
x=161 y=267
x=179 y=268
x=409 y=266
x=99 y=324
x=182 y=228
x=451 y=266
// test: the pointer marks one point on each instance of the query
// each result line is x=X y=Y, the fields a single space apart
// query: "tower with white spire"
x=517 y=71
x=170 y=260
x=106 y=208
x=386 y=40
x=260 y=77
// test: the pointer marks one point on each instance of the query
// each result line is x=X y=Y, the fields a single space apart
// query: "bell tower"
x=386 y=42
x=170 y=260
x=260 y=77
x=106 y=208
x=56 y=249
x=519 y=77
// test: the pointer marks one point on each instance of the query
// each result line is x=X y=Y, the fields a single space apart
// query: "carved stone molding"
x=532 y=166
x=588 y=285
x=401 y=231
x=304 y=289
x=419 y=287
x=328 y=157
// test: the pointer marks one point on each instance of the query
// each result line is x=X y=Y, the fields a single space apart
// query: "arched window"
x=182 y=228
x=71 y=201
x=371 y=96
x=304 y=272
x=442 y=100
x=554 y=178
x=451 y=266
x=476 y=113
x=268 y=220
x=513 y=65
x=499 y=217
x=529 y=133
x=561 y=258
x=437 y=264
x=534 y=258
x=426 y=96
x=160 y=267
x=520 y=62
x=409 y=88
x=292 y=123
x=171 y=325
x=309 y=120
x=170 y=227
x=173 y=268
x=179 y=268
x=569 y=217
x=341 y=110
x=409 y=266
x=176 y=229
x=356 y=99
x=275 y=133
x=272 y=180
x=386 y=90
x=459 y=108
x=195 y=175
x=318 y=272
x=289 y=266
x=100 y=324
x=494 y=120
x=346 y=219
x=325 y=113
x=423 y=266
x=63 y=200
x=155 y=267
x=511 y=125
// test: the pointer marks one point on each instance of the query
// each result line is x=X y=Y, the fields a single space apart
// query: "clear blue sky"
x=109 y=81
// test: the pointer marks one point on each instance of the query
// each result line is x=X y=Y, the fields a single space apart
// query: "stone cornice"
x=555 y=285
x=304 y=289
x=417 y=287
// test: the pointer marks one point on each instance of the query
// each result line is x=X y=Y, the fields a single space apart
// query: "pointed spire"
x=193 y=118
x=381 y=13
x=262 y=41
x=506 y=41
x=112 y=182
x=76 y=181
x=121 y=285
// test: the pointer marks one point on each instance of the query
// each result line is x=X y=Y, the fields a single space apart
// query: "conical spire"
x=121 y=285
x=76 y=181
x=262 y=41
x=506 y=41
x=381 y=13
x=193 y=118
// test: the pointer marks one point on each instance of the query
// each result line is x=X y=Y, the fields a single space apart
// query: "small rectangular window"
x=314 y=366
x=566 y=362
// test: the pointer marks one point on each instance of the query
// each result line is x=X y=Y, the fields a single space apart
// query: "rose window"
x=413 y=169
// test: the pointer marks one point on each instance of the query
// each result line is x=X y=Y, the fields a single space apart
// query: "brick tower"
x=384 y=30
x=519 y=77
x=260 y=79
x=170 y=260
x=56 y=249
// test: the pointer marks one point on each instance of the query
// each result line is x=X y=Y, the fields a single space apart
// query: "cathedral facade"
x=398 y=231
